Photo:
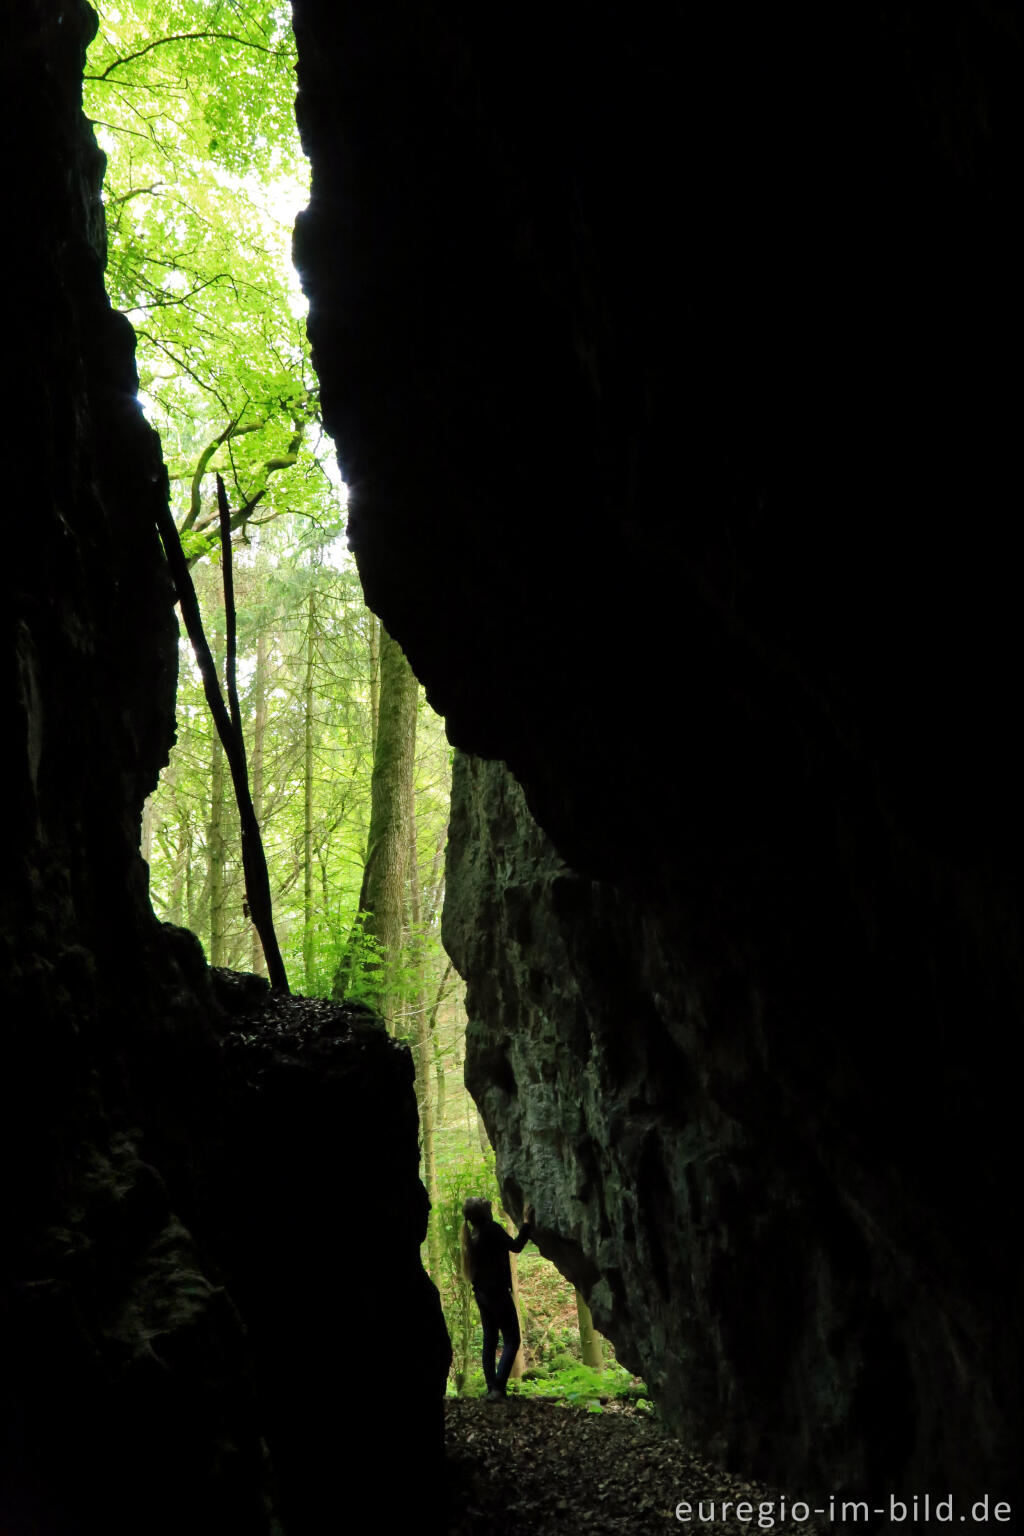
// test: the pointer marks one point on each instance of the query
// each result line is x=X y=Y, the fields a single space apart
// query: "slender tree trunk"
x=465 y=1333
x=382 y=898
x=215 y=852
x=191 y=905
x=441 y=1085
x=415 y=908
x=146 y=837
x=216 y=830
x=174 y=846
x=519 y=1363
x=227 y=718
x=375 y=633
x=325 y=890
x=440 y=1071
x=307 y=798
x=426 y=1108
x=259 y=731
x=590 y=1339
x=175 y=910
x=424 y=1053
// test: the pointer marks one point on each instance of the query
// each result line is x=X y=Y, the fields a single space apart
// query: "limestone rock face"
x=667 y=350
x=322 y=1260
x=166 y=1327
x=746 y=1251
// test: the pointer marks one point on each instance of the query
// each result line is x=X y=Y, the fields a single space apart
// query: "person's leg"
x=508 y=1320
x=489 y=1322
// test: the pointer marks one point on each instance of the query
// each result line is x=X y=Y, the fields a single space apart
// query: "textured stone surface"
x=671 y=355
x=321 y=1260
x=94 y=1260
x=668 y=354
x=137 y=1398
x=749 y=1250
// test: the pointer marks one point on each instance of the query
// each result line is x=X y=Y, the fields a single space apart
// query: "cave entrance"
x=194 y=111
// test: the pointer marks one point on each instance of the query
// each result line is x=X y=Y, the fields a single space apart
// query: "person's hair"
x=474 y=1209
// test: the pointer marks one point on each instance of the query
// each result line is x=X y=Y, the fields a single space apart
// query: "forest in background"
x=349 y=769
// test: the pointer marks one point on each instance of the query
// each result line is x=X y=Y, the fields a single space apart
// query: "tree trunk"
x=215 y=853
x=375 y=634
x=519 y=1363
x=177 y=845
x=227 y=718
x=146 y=837
x=191 y=904
x=259 y=730
x=382 y=898
x=175 y=900
x=441 y=1085
x=307 y=799
x=425 y=1101
x=590 y=1339
x=440 y=1071
x=424 y=1053
x=216 y=827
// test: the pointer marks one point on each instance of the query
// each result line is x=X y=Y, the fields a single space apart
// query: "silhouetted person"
x=485 y=1250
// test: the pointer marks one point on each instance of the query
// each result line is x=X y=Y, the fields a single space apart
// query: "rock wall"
x=755 y=1220
x=311 y=1203
x=670 y=352
x=182 y=1264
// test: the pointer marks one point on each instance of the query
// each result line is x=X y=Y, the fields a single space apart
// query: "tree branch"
x=116 y=202
x=98 y=122
x=439 y=999
x=195 y=502
x=185 y=37
x=182 y=298
x=207 y=388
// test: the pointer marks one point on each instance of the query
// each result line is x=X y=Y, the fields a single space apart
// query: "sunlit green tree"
x=194 y=105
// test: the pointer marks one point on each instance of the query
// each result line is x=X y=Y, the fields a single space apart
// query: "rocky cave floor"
x=539 y=1467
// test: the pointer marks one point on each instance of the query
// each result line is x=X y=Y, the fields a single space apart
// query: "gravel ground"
x=531 y=1467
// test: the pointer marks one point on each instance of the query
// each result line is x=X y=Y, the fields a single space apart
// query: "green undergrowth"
x=575 y=1384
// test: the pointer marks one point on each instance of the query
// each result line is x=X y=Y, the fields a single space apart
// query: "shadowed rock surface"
x=179 y=1295
x=322 y=1260
x=671 y=356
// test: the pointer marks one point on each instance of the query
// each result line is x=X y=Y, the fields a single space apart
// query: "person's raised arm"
x=517 y=1244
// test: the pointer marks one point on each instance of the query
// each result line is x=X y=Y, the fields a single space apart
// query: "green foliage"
x=194 y=545
x=574 y=1384
x=358 y=964
x=192 y=100
x=577 y=1383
